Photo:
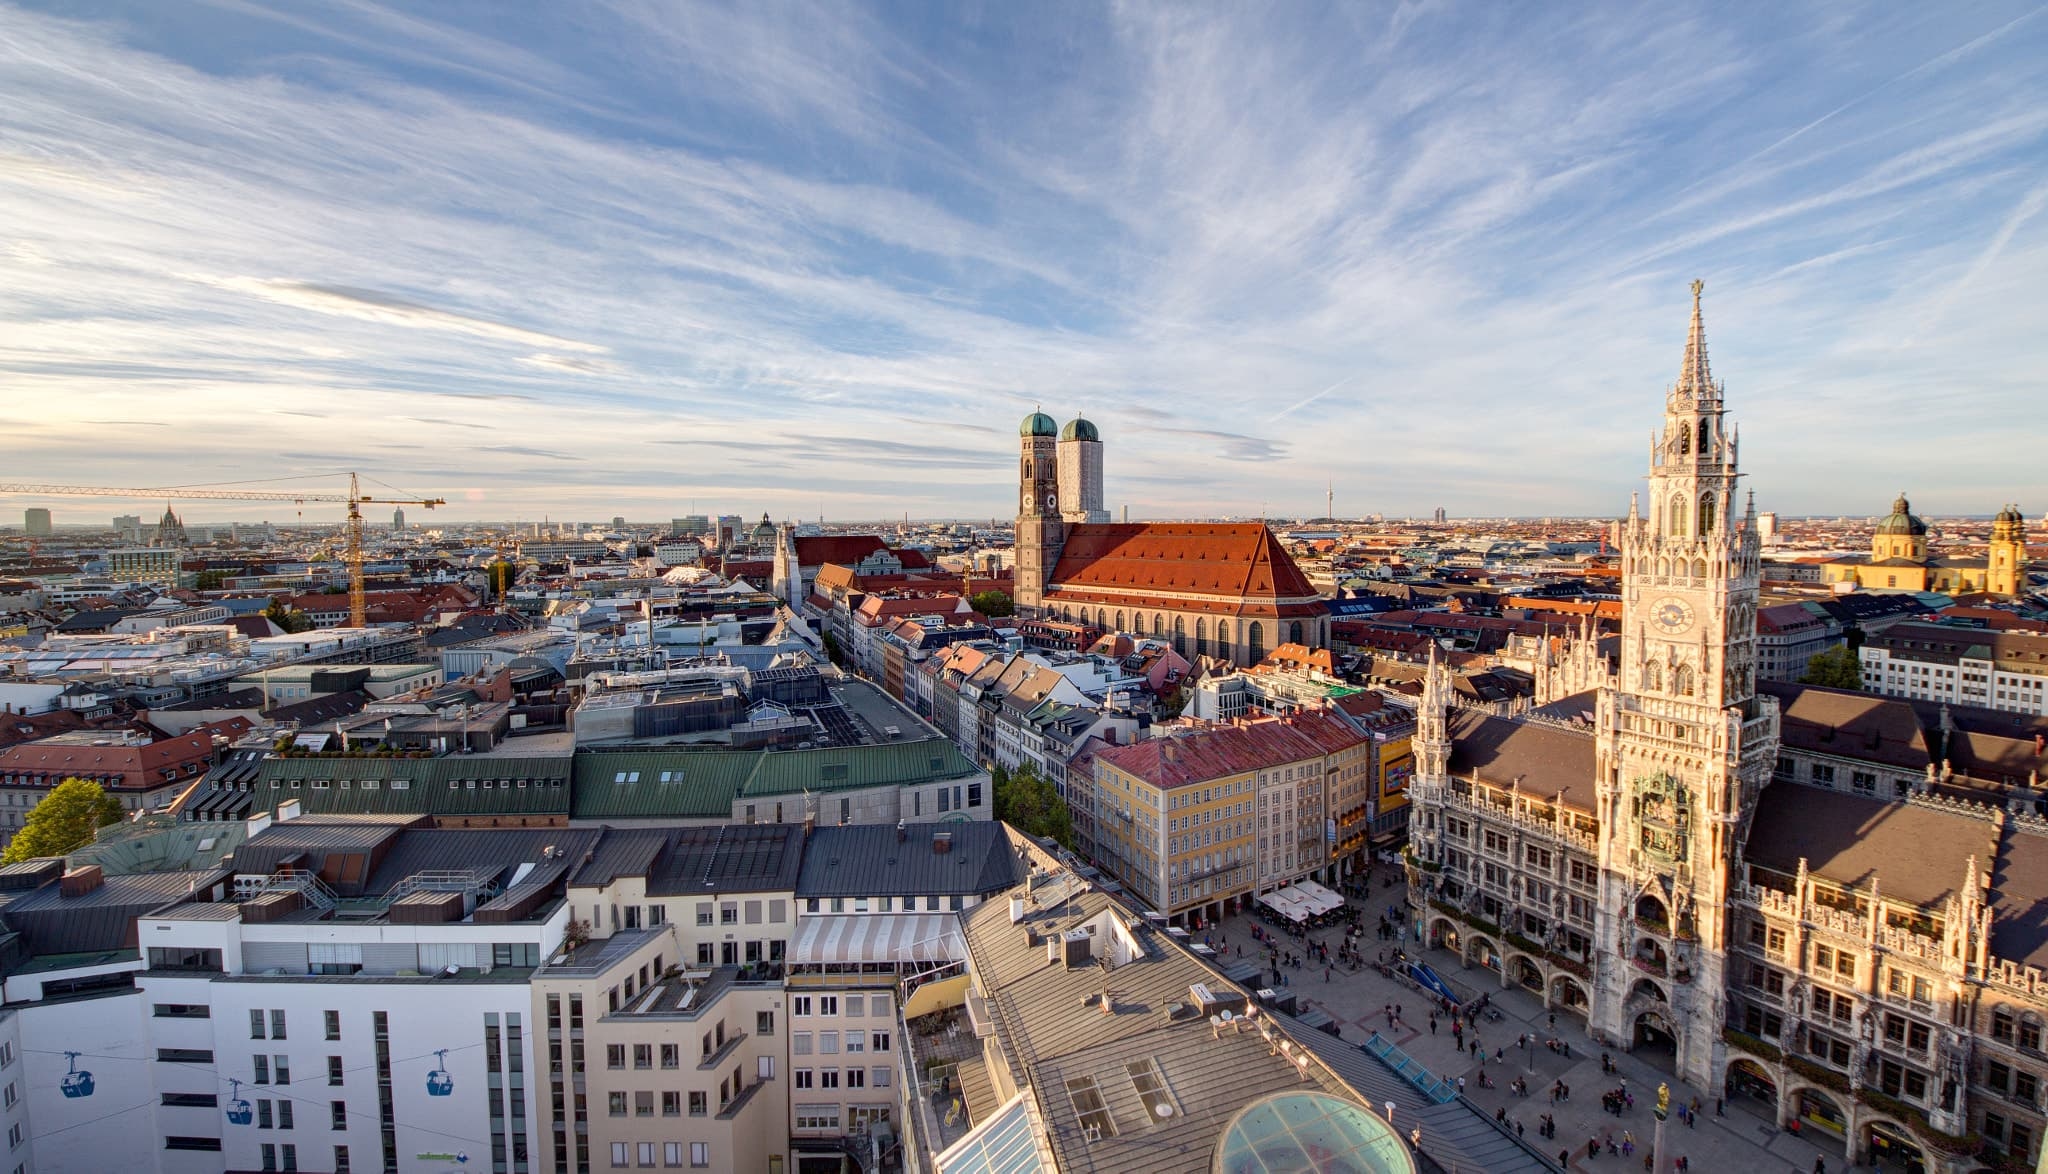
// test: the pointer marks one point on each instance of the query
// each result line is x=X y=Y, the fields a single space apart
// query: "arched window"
x=1119 y=619
x=1158 y=624
x=1706 y=435
x=1663 y=567
x=1684 y=439
x=1706 y=513
x=1699 y=568
x=1223 y=638
x=1294 y=633
x=1201 y=637
x=1653 y=675
x=1180 y=636
x=1101 y=618
x=1681 y=680
x=1678 y=511
x=1255 y=642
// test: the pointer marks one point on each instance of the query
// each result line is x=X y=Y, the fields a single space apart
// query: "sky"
x=653 y=259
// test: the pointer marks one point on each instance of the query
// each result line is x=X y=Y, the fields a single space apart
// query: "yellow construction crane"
x=355 y=500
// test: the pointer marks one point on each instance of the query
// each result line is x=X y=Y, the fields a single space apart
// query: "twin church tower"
x=1060 y=483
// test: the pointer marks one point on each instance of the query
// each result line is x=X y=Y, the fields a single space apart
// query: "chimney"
x=288 y=810
x=942 y=843
x=80 y=881
x=902 y=832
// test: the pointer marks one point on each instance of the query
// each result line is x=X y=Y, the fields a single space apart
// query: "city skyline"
x=609 y=260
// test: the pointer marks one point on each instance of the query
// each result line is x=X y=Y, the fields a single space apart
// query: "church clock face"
x=1671 y=615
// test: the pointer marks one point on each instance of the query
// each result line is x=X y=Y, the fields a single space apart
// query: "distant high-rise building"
x=36 y=522
x=129 y=527
x=398 y=518
x=618 y=522
x=1767 y=528
x=692 y=524
x=1439 y=515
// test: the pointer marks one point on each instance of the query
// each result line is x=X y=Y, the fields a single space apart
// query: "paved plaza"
x=1743 y=1139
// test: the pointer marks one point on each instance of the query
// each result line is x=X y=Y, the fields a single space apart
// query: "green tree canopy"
x=1031 y=804
x=992 y=603
x=65 y=820
x=291 y=619
x=209 y=580
x=1836 y=668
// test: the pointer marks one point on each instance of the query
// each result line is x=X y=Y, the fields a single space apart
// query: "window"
x=281 y=1069
x=209 y=1145
x=277 y=1024
x=334 y=1071
x=643 y=1055
x=671 y=1056
x=333 y=1024
x=800 y=1005
x=800 y=1043
x=764 y=1023
x=800 y=1078
x=341 y=1159
x=621 y=1152
x=337 y=1112
x=672 y=1153
x=879 y=1041
x=182 y=1011
x=615 y=1103
x=700 y=1154
x=671 y=1103
x=699 y=1104
x=171 y=1100
x=256 y=1023
x=828 y=1078
x=615 y=1056
x=261 y=1064
x=828 y=1004
x=643 y=1103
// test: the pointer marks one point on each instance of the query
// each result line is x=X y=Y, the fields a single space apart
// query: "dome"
x=1038 y=424
x=1079 y=428
x=2011 y=516
x=1902 y=521
x=1293 y=1131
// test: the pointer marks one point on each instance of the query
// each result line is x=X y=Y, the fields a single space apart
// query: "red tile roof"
x=1241 y=564
x=141 y=767
x=1229 y=750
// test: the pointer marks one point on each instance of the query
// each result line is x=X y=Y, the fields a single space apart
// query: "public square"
x=1743 y=1138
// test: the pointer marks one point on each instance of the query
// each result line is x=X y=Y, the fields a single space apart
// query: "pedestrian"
x=1415 y=1137
x=1820 y=1165
x=1564 y=1158
x=1326 y=974
x=1718 y=1111
x=1432 y=1023
x=1553 y=1021
x=1461 y=1086
x=1500 y=1115
x=1592 y=1148
x=1518 y=1129
x=1692 y=1119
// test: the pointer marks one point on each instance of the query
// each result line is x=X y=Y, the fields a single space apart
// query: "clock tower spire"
x=1684 y=742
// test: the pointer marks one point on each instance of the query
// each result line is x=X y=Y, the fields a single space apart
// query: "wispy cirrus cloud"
x=758 y=256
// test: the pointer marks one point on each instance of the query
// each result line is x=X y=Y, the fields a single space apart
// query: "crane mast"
x=358 y=601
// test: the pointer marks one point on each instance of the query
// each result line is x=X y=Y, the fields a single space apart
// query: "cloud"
x=522 y=450
x=1437 y=256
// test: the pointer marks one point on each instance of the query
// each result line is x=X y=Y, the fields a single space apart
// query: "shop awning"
x=878 y=937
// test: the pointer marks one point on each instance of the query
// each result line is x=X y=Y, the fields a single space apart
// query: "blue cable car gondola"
x=76 y=1083
x=439 y=1083
x=239 y=1112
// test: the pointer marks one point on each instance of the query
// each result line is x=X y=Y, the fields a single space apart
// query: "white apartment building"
x=2005 y=671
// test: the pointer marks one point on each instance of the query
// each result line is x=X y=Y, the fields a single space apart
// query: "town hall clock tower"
x=1684 y=742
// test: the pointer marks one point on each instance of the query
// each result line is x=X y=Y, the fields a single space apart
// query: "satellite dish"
x=1163 y=1109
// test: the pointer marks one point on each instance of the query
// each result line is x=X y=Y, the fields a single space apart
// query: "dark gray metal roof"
x=876 y=860
x=735 y=858
x=104 y=919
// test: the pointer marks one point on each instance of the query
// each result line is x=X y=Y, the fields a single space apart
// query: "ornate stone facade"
x=1867 y=961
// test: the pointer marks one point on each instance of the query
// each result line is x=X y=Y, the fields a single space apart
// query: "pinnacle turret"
x=1695 y=379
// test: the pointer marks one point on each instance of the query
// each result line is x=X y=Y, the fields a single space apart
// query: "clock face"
x=1671 y=615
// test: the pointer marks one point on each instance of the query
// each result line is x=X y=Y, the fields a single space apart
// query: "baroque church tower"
x=1684 y=744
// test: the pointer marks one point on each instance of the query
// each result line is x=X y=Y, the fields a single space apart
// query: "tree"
x=210 y=580
x=1031 y=804
x=66 y=819
x=1836 y=668
x=993 y=603
x=291 y=619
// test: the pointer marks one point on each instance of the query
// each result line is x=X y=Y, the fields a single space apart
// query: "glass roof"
x=1310 y=1133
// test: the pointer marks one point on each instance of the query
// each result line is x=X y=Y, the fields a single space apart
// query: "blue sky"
x=587 y=259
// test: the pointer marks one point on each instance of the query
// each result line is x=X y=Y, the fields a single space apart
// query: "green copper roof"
x=1038 y=424
x=1079 y=428
x=687 y=783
